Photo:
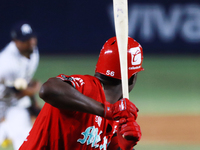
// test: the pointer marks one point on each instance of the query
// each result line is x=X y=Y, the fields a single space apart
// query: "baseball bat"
x=120 y=8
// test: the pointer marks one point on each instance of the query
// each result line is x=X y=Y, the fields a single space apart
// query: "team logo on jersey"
x=66 y=78
x=91 y=136
x=79 y=81
x=135 y=57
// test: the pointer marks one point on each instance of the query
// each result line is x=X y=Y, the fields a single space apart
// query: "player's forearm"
x=62 y=95
x=31 y=90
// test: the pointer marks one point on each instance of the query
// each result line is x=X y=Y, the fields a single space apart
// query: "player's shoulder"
x=76 y=77
x=79 y=80
x=11 y=45
x=7 y=60
x=85 y=78
x=79 y=77
x=9 y=51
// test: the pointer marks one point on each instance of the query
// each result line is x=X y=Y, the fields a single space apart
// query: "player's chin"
x=30 y=50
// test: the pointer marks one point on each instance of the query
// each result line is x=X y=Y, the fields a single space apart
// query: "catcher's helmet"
x=108 y=63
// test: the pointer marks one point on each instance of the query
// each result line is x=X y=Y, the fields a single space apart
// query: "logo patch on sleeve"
x=67 y=78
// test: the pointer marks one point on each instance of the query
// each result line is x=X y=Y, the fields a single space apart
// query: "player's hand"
x=123 y=108
x=128 y=133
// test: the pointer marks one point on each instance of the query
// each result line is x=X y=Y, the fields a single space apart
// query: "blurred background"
x=70 y=37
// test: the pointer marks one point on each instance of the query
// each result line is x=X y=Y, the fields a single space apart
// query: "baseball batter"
x=84 y=112
x=18 y=60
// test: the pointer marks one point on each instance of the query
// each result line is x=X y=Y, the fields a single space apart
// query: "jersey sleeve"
x=76 y=82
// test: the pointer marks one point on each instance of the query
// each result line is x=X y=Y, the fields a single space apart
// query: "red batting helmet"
x=108 y=63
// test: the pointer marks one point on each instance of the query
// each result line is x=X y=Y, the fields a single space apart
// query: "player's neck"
x=112 y=90
x=112 y=93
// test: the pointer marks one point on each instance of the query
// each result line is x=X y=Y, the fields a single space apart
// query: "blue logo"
x=91 y=136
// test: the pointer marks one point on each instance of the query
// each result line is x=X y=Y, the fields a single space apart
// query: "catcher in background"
x=19 y=61
x=84 y=112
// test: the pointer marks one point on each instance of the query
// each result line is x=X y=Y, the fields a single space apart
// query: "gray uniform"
x=13 y=65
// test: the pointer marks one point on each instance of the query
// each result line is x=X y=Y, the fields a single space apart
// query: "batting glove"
x=128 y=133
x=123 y=108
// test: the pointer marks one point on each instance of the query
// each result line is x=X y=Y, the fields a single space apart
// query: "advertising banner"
x=161 y=27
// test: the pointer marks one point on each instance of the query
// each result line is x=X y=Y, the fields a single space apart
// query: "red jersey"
x=56 y=129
